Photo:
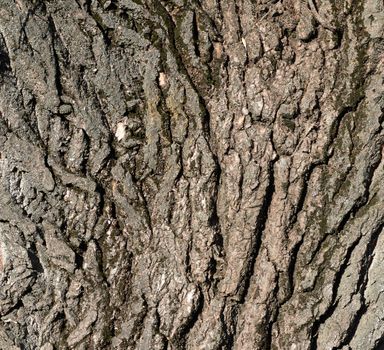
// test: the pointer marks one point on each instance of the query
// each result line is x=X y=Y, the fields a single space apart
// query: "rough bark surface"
x=191 y=174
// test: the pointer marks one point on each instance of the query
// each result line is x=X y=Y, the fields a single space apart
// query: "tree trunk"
x=191 y=174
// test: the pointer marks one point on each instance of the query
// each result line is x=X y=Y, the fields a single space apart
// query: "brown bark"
x=191 y=174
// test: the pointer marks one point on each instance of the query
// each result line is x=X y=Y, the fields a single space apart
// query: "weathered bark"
x=191 y=174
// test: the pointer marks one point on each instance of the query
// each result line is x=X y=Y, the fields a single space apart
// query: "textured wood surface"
x=191 y=174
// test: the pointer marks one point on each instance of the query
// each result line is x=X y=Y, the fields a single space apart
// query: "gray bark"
x=191 y=174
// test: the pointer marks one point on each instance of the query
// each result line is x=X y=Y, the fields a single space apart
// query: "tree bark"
x=191 y=174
